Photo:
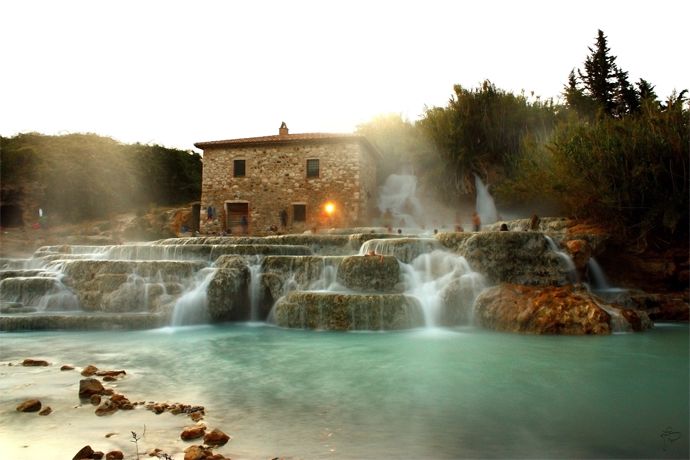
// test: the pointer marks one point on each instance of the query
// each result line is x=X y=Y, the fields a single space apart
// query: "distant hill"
x=84 y=176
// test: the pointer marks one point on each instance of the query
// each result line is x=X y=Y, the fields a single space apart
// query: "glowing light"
x=329 y=208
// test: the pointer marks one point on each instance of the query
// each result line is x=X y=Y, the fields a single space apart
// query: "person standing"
x=283 y=219
x=476 y=221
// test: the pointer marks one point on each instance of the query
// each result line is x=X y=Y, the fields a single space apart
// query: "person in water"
x=372 y=252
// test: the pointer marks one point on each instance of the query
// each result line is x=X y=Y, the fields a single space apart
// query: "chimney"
x=283 y=130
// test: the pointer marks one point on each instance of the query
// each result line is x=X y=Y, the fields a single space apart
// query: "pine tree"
x=599 y=77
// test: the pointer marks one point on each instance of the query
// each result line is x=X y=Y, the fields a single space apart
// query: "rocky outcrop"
x=580 y=251
x=404 y=249
x=28 y=291
x=370 y=274
x=119 y=286
x=100 y=321
x=457 y=300
x=342 y=312
x=279 y=274
x=227 y=292
x=551 y=310
x=510 y=257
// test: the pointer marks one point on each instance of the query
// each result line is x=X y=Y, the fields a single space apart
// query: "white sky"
x=174 y=73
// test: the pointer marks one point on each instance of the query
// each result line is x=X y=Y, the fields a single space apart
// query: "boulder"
x=30 y=405
x=89 y=370
x=334 y=311
x=544 y=310
x=111 y=373
x=34 y=362
x=90 y=387
x=193 y=432
x=46 y=411
x=370 y=273
x=216 y=438
x=85 y=452
x=107 y=407
x=197 y=453
x=67 y=367
x=114 y=455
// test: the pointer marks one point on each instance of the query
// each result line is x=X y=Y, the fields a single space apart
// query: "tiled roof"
x=284 y=139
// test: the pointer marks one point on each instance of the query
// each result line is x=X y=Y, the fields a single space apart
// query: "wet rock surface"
x=332 y=311
x=280 y=273
x=374 y=273
x=510 y=257
x=551 y=310
x=34 y=362
x=228 y=291
x=404 y=249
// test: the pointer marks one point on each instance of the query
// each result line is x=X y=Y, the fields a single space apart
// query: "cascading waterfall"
x=398 y=201
x=565 y=257
x=596 y=275
x=485 y=206
x=439 y=278
x=255 y=288
x=192 y=306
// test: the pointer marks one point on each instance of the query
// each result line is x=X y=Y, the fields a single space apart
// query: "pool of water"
x=428 y=393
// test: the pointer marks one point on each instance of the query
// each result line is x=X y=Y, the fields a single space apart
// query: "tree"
x=482 y=131
x=600 y=75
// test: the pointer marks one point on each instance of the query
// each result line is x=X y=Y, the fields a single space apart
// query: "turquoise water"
x=417 y=394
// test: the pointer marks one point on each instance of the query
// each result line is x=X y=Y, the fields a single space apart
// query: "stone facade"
x=248 y=183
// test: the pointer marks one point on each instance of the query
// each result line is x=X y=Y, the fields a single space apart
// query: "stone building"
x=287 y=183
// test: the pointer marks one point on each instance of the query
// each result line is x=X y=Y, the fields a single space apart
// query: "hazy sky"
x=175 y=73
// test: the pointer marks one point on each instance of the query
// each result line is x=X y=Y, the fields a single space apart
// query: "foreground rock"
x=552 y=310
x=343 y=312
x=201 y=453
x=192 y=432
x=34 y=362
x=30 y=405
x=90 y=387
x=216 y=438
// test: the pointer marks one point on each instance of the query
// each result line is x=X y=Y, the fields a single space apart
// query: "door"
x=237 y=217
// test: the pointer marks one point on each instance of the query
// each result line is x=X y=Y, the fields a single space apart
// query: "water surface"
x=428 y=393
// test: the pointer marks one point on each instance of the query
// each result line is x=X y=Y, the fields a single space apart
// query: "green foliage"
x=630 y=173
x=79 y=176
x=483 y=129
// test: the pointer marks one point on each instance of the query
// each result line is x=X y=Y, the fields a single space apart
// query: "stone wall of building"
x=276 y=179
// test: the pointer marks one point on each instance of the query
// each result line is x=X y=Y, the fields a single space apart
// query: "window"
x=313 y=168
x=238 y=168
x=299 y=212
